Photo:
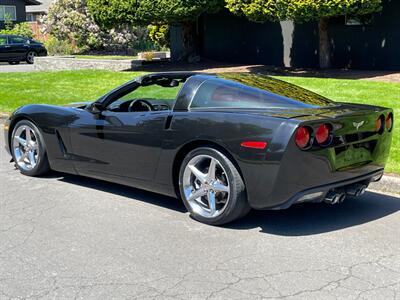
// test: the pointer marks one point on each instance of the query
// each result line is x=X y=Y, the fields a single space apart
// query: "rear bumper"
x=324 y=189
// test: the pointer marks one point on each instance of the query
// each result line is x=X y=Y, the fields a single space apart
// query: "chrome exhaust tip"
x=334 y=198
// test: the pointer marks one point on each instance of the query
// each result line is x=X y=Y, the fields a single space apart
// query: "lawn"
x=17 y=89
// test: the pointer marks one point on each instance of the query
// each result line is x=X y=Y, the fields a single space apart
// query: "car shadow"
x=124 y=191
x=298 y=220
x=317 y=218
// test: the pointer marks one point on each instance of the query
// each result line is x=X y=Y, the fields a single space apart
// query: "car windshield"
x=241 y=90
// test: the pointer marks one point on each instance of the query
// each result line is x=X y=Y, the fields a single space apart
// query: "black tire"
x=30 y=57
x=237 y=206
x=14 y=62
x=42 y=166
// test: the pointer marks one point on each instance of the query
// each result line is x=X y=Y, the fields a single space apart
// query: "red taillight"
x=322 y=134
x=389 y=122
x=255 y=145
x=379 y=125
x=303 y=137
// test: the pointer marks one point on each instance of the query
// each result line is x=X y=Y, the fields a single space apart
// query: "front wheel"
x=30 y=57
x=211 y=187
x=28 y=149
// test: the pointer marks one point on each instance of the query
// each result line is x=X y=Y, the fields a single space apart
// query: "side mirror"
x=96 y=108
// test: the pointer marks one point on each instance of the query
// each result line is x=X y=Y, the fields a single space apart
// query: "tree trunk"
x=324 y=44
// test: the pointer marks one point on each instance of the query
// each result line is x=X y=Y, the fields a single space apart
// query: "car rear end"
x=332 y=154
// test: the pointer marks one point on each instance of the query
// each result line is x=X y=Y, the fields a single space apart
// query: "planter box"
x=157 y=55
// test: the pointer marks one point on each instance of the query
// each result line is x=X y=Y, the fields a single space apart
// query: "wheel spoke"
x=22 y=157
x=211 y=201
x=34 y=145
x=199 y=175
x=197 y=194
x=21 y=141
x=28 y=136
x=32 y=159
x=211 y=169
x=219 y=187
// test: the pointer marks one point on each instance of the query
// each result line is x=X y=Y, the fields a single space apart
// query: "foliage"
x=148 y=56
x=70 y=20
x=107 y=13
x=300 y=10
x=59 y=47
x=22 y=29
x=159 y=34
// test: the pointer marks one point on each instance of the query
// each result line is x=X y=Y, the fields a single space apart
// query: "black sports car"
x=222 y=143
x=14 y=49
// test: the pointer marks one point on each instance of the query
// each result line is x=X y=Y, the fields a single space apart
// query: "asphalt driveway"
x=69 y=237
x=23 y=67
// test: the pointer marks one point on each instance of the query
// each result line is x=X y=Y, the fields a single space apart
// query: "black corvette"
x=223 y=144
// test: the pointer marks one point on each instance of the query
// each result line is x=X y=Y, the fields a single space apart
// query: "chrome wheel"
x=30 y=57
x=26 y=148
x=206 y=186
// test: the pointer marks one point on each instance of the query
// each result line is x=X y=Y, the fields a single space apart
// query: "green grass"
x=115 y=57
x=17 y=89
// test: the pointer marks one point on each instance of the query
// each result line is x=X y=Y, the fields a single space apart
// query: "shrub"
x=70 y=20
x=148 y=56
x=159 y=34
x=22 y=29
x=57 y=47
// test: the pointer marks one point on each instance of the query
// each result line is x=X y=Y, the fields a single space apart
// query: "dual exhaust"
x=338 y=196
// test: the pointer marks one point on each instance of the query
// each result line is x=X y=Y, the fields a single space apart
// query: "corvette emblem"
x=358 y=124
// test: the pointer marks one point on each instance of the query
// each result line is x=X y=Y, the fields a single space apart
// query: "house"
x=15 y=10
x=33 y=13
x=371 y=43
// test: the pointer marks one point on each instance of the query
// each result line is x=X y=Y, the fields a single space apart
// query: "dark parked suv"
x=14 y=49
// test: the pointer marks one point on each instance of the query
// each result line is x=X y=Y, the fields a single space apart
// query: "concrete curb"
x=3 y=117
x=388 y=183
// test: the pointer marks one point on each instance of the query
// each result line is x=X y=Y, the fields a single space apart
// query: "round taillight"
x=379 y=125
x=302 y=137
x=322 y=134
x=389 y=122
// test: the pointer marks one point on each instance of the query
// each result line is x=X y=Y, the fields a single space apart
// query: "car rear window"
x=254 y=91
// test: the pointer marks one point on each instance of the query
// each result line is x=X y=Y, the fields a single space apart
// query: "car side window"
x=162 y=98
x=3 y=41
x=17 y=40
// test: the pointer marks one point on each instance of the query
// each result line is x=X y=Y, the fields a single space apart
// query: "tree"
x=303 y=11
x=70 y=20
x=157 y=12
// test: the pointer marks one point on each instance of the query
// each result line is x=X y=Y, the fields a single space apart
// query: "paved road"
x=69 y=237
x=23 y=67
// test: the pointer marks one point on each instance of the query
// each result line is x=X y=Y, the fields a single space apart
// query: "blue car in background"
x=14 y=49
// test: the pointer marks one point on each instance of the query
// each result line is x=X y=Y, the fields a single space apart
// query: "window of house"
x=8 y=11
x=30 y=17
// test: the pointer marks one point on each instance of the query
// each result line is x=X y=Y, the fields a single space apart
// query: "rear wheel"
x=28 y=149
x=30 y=57
x=212 y=188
